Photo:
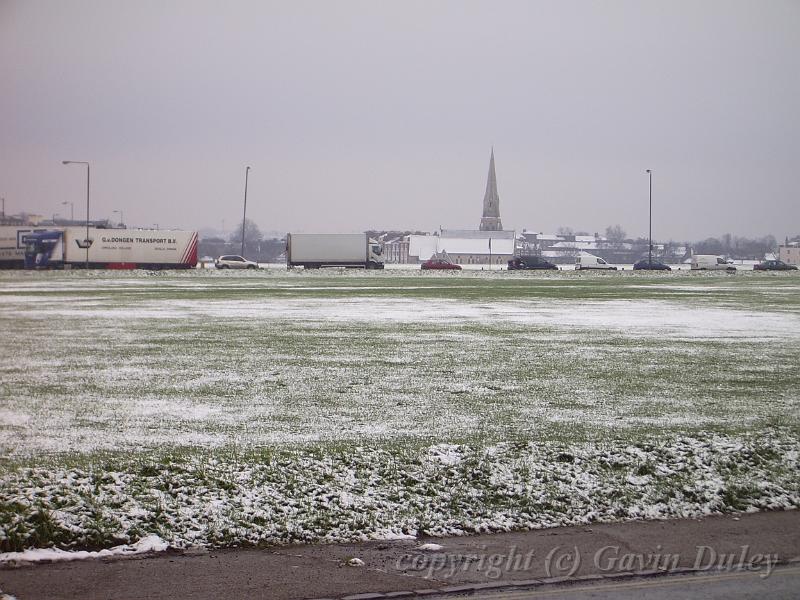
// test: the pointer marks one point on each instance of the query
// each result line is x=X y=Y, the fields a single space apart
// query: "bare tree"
x=615 y=233
x=252 y=234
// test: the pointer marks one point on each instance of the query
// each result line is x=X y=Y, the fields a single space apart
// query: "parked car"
x=438 y=263
x=590 y=261
x=710 y=262
x=234 y=261
x=774 y=265
x=647 y=265
x=530 y=263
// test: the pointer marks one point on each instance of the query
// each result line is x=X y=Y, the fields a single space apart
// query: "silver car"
x=234 y=261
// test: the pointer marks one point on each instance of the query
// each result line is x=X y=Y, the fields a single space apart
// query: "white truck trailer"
x=12 y=250
x=316 y=250
x=66 y=247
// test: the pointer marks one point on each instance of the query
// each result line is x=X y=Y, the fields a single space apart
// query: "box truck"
x=68 y=247
x=315 y=250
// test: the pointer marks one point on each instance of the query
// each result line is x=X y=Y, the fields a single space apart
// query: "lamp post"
x=86 y=242
x=71 y=209
x=650 y=228
x=121 y=217
x=244 y=214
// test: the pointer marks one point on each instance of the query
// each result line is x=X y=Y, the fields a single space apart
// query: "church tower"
x=491 y=202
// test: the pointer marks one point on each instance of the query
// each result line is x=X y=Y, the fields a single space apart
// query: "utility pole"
x=650 y=234
x=244 y=214
x=87 y=242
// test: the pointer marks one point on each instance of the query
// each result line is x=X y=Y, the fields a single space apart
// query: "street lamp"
x=121 y=217
x=87 y=242
x=650 y=235
x=71 y=209
x=244 y=214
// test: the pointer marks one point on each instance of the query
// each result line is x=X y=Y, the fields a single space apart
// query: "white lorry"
x=12 y=250
x=315 y=250
x=590 y=261
x=67 y=247
x=710 y=262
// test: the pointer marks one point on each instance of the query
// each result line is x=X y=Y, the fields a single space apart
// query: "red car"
x=439 y=263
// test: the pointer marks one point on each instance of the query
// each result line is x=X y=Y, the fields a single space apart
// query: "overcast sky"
x=382 y=114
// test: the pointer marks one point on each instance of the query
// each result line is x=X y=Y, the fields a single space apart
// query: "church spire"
x=491 y=202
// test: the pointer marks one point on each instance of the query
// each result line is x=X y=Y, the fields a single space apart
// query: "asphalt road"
x=782 y=584
x=609 y=553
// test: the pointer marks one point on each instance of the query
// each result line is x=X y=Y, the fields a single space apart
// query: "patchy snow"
x=151 y=543
x=633 y=318
x=217 y=409
x=295 y=495
x=430 y=547
x=14 y=419
x=388 y=535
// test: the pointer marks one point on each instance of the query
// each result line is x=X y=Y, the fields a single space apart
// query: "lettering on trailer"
x=138 y=240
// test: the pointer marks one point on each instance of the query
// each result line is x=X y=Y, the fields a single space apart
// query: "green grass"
x=80 y=376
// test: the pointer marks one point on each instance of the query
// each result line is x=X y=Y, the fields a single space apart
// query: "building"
x=21 y=219
x=563 y=248
x=790 y=253
x=395 y=250
x=491 y=202
x=465 y=247
x=489 y=245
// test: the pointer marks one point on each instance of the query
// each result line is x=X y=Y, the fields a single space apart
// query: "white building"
x=465 y=247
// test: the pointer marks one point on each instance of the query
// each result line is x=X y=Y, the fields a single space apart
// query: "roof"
x=476 y=234
x=491 y=199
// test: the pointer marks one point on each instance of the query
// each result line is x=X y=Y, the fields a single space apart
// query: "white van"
x=710 y=262
x=590 y=261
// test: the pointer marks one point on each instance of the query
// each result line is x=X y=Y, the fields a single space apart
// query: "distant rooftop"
x=474 y=234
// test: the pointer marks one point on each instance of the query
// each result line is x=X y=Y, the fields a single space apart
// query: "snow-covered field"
x=240 y=408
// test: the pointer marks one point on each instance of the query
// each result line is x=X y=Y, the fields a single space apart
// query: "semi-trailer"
x=316 y=250
x=69 y=247
x=12 y=250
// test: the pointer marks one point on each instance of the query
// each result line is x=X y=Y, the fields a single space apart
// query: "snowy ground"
x=268 y=407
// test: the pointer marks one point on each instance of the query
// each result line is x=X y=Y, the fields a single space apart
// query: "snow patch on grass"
x=343 y=493
x=151 y=543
